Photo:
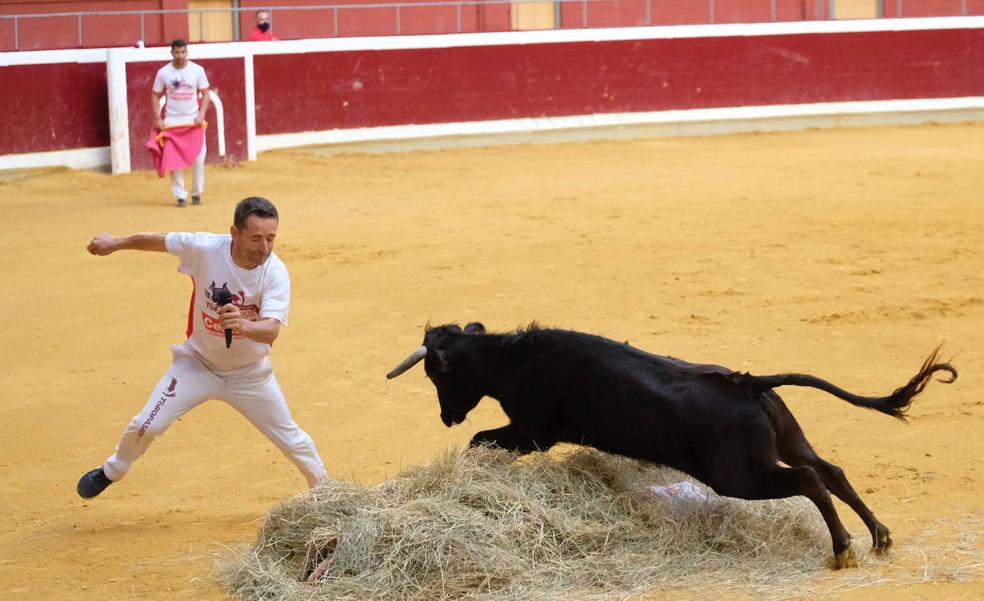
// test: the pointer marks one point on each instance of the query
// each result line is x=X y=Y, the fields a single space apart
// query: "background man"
x=243 y=267
x=181 y=81
x=262 y=32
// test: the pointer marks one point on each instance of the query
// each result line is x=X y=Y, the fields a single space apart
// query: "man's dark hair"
x=254 y=205
x=178 y=43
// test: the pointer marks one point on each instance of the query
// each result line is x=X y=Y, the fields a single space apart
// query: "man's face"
x=252 y=245
x=180 y=55
x=261 y=18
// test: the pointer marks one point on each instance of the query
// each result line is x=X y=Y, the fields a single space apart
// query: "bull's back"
x=630 y=402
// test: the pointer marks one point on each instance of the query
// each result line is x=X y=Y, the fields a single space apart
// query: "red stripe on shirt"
x=191 y=310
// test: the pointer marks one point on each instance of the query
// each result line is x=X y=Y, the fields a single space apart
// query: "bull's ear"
x=441 y=362
x=453 y=328
x=474 y=328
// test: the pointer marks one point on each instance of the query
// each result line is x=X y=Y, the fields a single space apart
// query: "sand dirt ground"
x=849 y=254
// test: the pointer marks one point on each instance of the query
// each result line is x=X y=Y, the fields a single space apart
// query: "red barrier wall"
x=341 y=90
x=478 y=17
x=225 y=77
x=626 y=13
x=107 y=31
x=53 y=107
x=97 y=30
x=310 y=88
x=930 y=8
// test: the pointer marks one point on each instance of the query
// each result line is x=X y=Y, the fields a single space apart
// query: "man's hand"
x=263 y=330
x=199 y=119
x=158 y=123
x=231 y=319
x=103 y=245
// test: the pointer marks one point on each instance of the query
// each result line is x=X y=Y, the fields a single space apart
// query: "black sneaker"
x=93 y=483
x=196 y=199
x=181 y=202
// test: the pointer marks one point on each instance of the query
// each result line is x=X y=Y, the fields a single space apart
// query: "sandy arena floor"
x=849 y=254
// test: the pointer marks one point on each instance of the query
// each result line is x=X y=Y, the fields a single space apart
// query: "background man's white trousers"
x=188 y=383
x=197 y=178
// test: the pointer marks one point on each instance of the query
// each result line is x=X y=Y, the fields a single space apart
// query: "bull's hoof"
x=844 y=559
x=882 y=540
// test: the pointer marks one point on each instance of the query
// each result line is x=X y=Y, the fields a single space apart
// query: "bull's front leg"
x=509 y=438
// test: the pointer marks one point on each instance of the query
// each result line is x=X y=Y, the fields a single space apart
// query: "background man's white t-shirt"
x=181 y=87
x=261 y=292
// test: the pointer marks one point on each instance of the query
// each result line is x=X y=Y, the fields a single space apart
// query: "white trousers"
x=197 y=178
x=189 y=383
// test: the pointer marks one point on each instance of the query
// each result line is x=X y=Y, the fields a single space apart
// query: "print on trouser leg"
x=263 y=404
x=185 y=386
x=167 y=394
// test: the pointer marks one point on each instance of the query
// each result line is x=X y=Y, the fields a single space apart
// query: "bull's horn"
x=409 y=362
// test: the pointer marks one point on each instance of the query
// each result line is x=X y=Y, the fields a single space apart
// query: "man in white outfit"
x=228 y=340
x=181 y=81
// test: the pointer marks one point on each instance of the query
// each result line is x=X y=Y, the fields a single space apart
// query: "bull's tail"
x=895 y=404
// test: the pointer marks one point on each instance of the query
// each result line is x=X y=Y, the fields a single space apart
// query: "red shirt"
x=261 y=36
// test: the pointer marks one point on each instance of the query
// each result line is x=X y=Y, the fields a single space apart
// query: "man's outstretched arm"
x=104 y=244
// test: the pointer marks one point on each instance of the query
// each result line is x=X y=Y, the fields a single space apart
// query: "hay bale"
x=482 y=524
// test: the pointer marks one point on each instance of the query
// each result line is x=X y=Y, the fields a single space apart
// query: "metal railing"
x=823 y=9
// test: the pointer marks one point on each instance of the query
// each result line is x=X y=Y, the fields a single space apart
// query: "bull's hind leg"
x=784 y=482
x=795 y=450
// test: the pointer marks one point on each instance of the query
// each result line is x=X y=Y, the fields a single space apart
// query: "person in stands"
x=262 y=32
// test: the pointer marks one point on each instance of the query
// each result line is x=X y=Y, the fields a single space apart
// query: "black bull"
x=729 y=430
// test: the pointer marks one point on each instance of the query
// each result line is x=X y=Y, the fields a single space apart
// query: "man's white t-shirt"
x=181 y=87
x=261 y=292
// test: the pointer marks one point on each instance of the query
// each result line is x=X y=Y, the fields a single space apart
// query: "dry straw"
x=482 y=525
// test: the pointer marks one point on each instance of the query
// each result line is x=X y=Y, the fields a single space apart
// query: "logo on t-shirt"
x=181 y=90
x=211 y=320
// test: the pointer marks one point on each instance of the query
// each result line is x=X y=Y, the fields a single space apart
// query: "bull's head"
x=457 y=391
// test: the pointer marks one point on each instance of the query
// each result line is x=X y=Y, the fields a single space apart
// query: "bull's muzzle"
x=450 y=422
x=409 y=362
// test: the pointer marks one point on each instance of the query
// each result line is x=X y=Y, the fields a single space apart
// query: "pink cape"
x=176 y=147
